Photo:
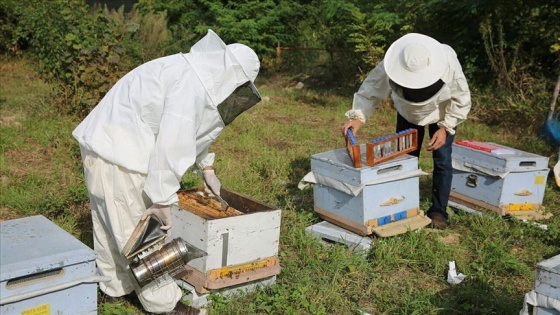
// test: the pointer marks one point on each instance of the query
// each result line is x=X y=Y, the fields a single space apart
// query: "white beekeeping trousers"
x=117 y=203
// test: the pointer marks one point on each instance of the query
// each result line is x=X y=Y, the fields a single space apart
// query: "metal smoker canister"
x=168 y=259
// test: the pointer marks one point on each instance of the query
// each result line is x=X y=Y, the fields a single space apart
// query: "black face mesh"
x=243 y=98
x=420 y=95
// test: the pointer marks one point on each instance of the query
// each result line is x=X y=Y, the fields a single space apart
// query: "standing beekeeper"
x=428 y=88
x=137 y=143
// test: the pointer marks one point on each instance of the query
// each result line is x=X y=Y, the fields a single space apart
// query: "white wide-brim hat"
x=415 y=61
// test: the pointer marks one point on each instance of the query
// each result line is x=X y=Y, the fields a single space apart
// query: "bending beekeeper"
x=136 y=144
x=428 y=88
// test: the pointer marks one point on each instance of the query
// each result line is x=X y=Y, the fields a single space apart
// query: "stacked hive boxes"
x=547 y=281
x=545 y=298
x=45 y=270
x=241 y=248
x=505 y=180
x=365 y=199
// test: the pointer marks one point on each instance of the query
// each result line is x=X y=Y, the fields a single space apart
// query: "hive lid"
x=35 y=244
x=497 y=158
x=336 y=164
x=551 y=265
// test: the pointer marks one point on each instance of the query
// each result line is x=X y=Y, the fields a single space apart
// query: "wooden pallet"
x=385 y=230
x=229 y=276
x=522 y=212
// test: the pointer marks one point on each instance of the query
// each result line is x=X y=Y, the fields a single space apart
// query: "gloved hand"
x=163 y=213
x=211 y=181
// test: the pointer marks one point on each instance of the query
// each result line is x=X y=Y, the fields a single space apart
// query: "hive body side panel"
x=478 y=186
x=76 y=300
x=245 y=238
x=374 y=201
x=231 y=240
x=524 y=187
x=192 y=229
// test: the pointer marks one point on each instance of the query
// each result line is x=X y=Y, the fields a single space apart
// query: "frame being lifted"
x=389 y=147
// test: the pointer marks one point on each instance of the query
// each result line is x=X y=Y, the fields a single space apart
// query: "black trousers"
x=443 y=170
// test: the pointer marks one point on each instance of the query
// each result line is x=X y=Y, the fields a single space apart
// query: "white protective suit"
x=137 y=143
x=448 y=108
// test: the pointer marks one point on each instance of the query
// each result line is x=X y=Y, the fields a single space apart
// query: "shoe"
x=104 y=298
x=438 y=221
x=182 y=309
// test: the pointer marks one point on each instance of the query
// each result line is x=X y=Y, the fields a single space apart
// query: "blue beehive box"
x=545 y=311
x=44 y=270
x=499 y=178
x=365 y=199
x=547 y=280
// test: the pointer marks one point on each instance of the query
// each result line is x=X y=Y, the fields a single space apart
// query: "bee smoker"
x=150 y=258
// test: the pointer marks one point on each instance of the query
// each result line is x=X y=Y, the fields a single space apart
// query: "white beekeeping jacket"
x=160 y=118
x=449 y=107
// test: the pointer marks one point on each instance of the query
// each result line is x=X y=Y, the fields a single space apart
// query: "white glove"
x=211 y=181
x=163 y=213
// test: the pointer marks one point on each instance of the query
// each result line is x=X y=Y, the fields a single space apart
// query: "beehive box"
x=547 y=280
x=388 y=193
x=242 y=244
x=502 y=179
x=45 y=270
x=537 y=310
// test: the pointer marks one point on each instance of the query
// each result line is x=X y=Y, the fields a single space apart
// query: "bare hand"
x=438 y=140
x=353 y=124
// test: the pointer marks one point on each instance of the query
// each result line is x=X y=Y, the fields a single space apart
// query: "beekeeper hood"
x=415 y=61
x=228 y=73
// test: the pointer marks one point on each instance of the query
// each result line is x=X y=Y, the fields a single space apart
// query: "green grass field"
x=264 y=154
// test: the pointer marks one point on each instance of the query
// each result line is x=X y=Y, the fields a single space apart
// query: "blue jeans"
x=443 y=170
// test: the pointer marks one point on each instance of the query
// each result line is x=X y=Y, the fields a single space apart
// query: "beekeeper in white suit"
x=428 y=88
x=137 y=143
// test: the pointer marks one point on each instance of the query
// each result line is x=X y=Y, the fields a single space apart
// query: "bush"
x=83 y=52
x=73 y=48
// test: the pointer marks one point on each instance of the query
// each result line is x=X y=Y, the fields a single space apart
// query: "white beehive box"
x=364 y=199
x=547 y=280
x=498 y=178
x=241 y=248
x=44 y=270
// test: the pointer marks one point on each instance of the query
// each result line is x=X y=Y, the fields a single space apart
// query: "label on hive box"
x=236 y=270
x=485 y=146
x=44 y=309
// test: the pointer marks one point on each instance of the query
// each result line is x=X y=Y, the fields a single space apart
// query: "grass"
x=264 y=154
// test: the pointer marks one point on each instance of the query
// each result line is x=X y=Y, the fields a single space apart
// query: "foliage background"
x=509 y=49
